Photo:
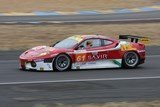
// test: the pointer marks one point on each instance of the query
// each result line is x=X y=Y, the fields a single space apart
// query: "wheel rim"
x=62 y=62
x=131 y=59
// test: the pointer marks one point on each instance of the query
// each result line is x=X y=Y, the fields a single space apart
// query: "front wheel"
x=62 y=62
x=130 y=60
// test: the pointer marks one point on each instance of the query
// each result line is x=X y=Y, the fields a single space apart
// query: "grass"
x=15 y=37
x=69 y=5
x=110 y=104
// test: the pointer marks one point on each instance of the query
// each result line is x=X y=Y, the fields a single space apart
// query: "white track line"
x=80 y=80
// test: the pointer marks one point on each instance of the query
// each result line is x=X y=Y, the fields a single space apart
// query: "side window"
x=96 y=43
x=106 y=42
x=90 y=43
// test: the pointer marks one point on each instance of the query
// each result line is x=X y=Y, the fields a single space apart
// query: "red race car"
x=85 y=52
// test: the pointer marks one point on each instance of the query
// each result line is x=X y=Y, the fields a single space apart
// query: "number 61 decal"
x=80 y=57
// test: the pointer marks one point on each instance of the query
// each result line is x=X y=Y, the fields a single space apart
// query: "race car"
x=85 y=52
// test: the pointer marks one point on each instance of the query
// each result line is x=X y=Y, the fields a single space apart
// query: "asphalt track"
x=151 y=16
x=27 y=89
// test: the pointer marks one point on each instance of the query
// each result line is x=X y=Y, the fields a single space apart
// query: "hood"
x=41 y=52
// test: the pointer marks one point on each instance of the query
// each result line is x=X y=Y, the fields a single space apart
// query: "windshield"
x=66 y=43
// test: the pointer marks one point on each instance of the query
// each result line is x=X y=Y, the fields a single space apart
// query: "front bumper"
x=39 y=65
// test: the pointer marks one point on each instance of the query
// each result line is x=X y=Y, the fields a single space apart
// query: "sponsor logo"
x=49 y=66
x=41 y=68
x=77 y=38
x=38 y=60
x=77 y=67
x=97 y=57
x=126 y=47
x=90 y=57
x=92 y=62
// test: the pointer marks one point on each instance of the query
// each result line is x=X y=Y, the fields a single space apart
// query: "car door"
x=90 y=54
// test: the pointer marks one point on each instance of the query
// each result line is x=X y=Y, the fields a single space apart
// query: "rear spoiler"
x=134 y=38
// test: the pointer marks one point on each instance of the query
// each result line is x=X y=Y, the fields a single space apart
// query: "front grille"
x=48 y=60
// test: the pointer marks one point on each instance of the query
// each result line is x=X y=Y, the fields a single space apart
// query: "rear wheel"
x=62 y=62
x=130 y=59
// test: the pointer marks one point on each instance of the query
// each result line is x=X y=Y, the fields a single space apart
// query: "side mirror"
x=80 y=47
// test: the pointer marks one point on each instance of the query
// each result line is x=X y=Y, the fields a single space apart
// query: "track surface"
x=124 y=89
x=109 y=18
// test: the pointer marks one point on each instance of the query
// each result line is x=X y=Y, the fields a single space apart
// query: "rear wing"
x=135 y=39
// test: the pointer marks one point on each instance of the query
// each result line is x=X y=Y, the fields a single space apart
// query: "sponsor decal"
x=77 y=38
x=84 y=57
x=41 y=68
x=77 y=67
x=81 y=57
x=126 y=47
x=49 y=66
x=117 y=62
x=144 y=40
x=83 y=63
x=92 y=62
x=93 y=57
x=38 y=60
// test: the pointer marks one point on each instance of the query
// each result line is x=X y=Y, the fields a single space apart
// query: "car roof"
x=92 y=36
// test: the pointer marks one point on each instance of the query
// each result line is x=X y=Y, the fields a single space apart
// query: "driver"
x=89 y=44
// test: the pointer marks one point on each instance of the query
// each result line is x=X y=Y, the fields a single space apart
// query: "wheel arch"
x=131 y=51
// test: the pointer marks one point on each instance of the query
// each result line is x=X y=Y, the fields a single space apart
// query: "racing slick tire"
x=130 y=60
x=62 y=62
